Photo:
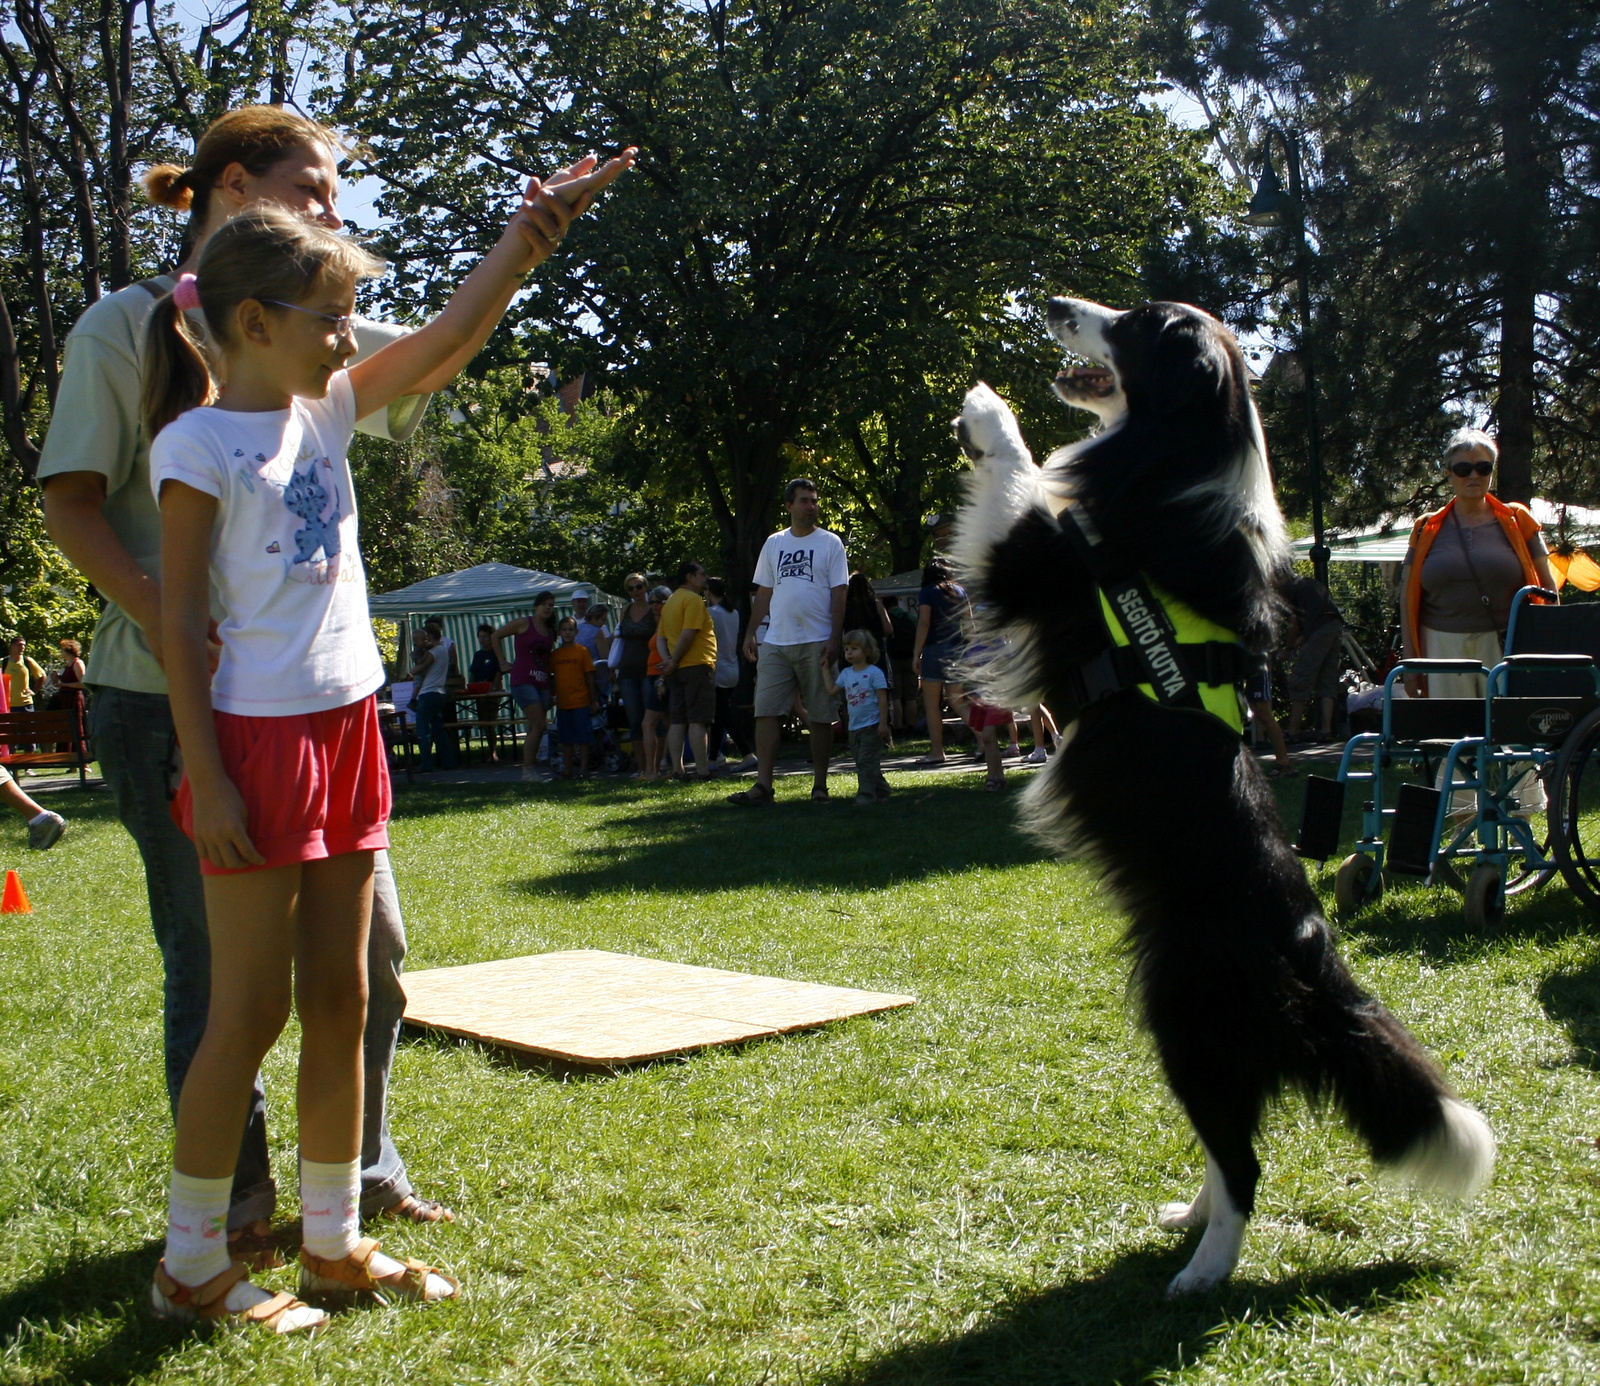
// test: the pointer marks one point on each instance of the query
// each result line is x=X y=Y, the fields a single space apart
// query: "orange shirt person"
x=572 y=674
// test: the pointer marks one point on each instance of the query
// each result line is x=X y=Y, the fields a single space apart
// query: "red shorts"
x=981 y=715
x=315 y=785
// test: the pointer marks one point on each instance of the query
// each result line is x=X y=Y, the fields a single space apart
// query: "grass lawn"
x=960 y=1192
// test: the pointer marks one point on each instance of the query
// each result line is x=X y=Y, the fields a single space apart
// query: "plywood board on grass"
x=587 y=1006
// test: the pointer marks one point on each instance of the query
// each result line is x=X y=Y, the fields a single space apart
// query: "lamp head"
x=1266 y=204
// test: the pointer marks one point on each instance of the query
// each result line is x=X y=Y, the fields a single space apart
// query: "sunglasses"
x=635 y=587
x=1465 y=469
x=341 y=325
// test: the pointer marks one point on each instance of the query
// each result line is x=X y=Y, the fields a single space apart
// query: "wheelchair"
x=1536 y=727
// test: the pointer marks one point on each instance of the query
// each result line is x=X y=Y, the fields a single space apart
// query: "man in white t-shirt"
x=432 y=707
x=801 y=579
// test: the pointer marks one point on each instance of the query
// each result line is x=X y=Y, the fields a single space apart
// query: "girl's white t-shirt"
x=284 y=562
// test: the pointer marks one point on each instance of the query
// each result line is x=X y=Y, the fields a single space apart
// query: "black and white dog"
x=1237 y=976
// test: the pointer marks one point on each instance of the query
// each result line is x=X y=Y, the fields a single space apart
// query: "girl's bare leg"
x=11 y=796
x=250 y=918
x=932 y=702
x=536 y=726
x=331 y=997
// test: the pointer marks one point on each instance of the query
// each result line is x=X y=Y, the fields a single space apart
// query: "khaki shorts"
x=691 y=695
x=5 y=775
x=781 y=670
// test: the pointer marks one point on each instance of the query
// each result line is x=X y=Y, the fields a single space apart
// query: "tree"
x=501 y=470
x=90 y=90
x=1452 y=183
x=815 y=180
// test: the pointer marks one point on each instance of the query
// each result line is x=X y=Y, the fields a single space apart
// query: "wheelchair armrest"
x=1549 y=661
x=1441 y=666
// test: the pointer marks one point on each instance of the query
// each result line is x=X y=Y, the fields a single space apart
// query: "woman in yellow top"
x=1466 y=561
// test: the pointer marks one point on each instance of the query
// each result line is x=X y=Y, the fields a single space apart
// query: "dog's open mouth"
x=1098 y=381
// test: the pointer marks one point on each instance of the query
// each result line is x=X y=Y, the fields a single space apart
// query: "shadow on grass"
x=1119 y=1326
x=680 y=845
x=540 y=1065
x=113 y=1287
x=1571 y=998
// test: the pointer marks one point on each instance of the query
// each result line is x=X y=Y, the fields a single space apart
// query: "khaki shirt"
x=96 y=428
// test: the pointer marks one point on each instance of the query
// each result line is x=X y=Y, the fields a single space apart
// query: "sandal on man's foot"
x=352 y=1276
x=994 y=783
x=414 y=1209
x=255 y=1246
x=231 y=1298
x=757 y=794
x=820 y=795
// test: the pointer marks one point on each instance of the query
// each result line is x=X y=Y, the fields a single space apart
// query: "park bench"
x=37 y=729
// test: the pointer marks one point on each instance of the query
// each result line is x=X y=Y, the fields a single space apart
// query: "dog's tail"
x=1396 y=1099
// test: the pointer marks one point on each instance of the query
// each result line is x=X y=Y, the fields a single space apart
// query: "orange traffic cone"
x=15 y=899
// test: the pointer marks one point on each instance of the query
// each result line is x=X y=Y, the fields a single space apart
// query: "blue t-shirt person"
x=945 y=611
x=861 y=694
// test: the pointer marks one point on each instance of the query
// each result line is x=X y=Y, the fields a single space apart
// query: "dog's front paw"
x=986 y=427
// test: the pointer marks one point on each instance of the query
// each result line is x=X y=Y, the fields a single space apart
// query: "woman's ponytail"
x=167 y=185
x=176 y=376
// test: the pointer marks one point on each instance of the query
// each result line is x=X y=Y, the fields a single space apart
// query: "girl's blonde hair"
x=863 y=639
x=256 y=136
x=263 y=253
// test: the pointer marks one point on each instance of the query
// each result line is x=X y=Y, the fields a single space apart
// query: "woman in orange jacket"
x=1465 y=563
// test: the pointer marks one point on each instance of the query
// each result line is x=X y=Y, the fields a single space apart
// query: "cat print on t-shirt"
x=312 y=495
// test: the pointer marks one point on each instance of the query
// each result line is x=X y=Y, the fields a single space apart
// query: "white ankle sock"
x=197 y=1228
x=330 y=1208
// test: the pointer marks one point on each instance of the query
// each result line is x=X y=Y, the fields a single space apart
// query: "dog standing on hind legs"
x=1130 y=575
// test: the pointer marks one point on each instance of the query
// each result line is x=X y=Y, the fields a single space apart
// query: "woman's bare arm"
x=431 y=357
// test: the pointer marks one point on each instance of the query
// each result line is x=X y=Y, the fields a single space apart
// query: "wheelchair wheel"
x=1485 y=902
x=1574 y=814
x=1352 y=883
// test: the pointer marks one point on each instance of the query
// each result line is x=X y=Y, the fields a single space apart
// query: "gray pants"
x=868 y=752
x=136 y=745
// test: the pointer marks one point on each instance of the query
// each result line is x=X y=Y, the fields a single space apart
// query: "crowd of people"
x=679 y=686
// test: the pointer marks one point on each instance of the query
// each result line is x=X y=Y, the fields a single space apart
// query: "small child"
x=866 y=694
x=577 y=699
x=986 y=722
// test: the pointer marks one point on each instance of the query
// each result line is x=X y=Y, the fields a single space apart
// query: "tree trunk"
x=1521 y=254
x=12 y=409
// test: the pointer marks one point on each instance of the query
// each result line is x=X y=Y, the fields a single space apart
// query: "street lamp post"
x=1268 y=207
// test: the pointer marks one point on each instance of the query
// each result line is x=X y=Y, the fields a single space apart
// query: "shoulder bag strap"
x=1461 y=538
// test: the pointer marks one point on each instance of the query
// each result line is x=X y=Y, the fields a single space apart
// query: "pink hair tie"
x=187 y=295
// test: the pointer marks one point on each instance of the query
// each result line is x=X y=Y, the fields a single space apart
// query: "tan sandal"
x=256 y=1246
x=351 y=1276
x=190 y=1303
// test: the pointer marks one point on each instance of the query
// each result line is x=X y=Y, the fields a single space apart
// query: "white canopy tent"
x=492 y=592
x=1387 y=542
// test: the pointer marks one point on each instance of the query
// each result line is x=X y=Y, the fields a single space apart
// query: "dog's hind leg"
x=1228 y=1195
x=1218 y=1252
x=1178 y=1217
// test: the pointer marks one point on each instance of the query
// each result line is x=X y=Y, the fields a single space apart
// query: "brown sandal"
x=255 y=1246
x=426 y=1211
x=756 y=794
x=188 y=1303
x=352 y=1276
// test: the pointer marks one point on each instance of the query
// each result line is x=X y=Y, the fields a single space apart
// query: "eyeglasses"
x=1465 y=469
x=341 y=326
x=635 y=587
